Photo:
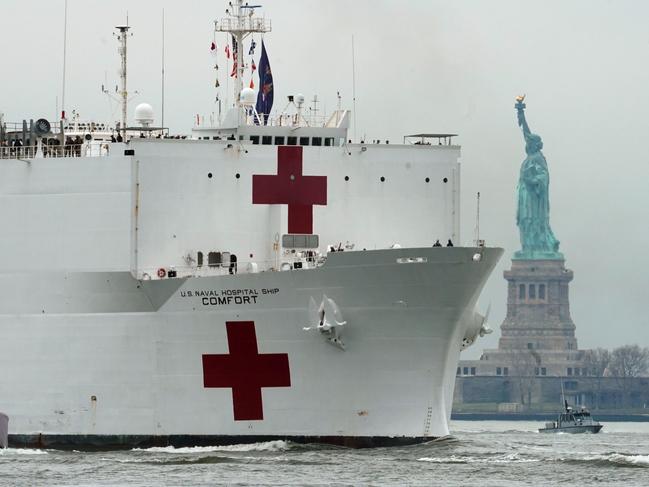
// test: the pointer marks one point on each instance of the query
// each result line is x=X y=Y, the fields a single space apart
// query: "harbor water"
x=484 y=453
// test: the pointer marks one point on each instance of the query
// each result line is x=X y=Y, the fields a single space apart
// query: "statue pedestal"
x=4 y=426
x=537 y=255
x=538 y=318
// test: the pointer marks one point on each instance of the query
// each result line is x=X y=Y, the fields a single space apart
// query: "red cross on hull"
x=290 y=187
x=245 y=371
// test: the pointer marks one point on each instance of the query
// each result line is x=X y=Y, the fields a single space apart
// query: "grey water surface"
x=485 y=453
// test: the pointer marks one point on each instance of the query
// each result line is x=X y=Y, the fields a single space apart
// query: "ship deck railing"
x=74 y=125
x=71 y=150
x=230 y=268
x=243 y=24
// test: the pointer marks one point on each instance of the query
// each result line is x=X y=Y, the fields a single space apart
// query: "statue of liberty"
x=533 y=214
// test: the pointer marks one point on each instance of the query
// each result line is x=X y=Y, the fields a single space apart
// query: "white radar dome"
x=299 y=99
x=248 y=97
x=144 y=114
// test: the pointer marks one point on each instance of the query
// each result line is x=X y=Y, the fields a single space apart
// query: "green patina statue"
x=533 y=214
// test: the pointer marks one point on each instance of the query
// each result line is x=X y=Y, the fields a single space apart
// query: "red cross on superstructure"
x=290 y=187
x=245 y=370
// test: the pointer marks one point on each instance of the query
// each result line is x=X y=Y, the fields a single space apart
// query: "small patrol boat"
x=573 y=422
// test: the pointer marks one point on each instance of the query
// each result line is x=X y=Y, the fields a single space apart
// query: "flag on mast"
x=265 y=95
x=235 y=47
x=235 y=57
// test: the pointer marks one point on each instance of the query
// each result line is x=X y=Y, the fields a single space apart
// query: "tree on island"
x=626 y=363
x=524 y=364
x=597 y=363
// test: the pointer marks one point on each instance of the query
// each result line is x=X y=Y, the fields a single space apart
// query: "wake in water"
x=479 y=453
x=509 y=458
x=21 y=451
x=616 y=459
x=269 y=446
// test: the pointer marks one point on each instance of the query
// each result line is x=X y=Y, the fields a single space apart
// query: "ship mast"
x=240 y=21
x=122 y=37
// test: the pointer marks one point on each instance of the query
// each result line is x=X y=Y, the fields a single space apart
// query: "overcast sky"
x=438 y=66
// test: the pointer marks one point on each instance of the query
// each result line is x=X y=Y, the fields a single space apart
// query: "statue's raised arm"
x=520 y=108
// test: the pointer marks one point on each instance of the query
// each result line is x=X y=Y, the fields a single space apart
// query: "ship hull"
x=573 y=429
x=127 y=442
x=86 y=375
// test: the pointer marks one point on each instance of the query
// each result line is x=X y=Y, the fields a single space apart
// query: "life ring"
x=161 y=273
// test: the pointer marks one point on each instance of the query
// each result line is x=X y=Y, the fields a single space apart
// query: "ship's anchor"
x=480 y=328
x=485 y=329
x=328 y=320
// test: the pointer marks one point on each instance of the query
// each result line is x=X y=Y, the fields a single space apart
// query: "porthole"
x=382 y=179
x=209 y=175
x=445 y=180
x=346 y=178
x=237 y=175
x=428 y=180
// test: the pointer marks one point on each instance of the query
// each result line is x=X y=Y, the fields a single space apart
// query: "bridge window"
x=214 y=259
x=254 y=139
x=544 y=371
x=499 y=371
x=532 y=291
x=329 y=141
x=536 y=371
x=569 y=370
x=541 y=291
x=317 y=141
x=465 y=371
x=521 y=291
x=530 y=346
x=458 y=372
x=505 y=370
x=267 y=140
x=279 y=140
x=304 y=141
x=199 y=259
x=472 y=370
x=291 y=141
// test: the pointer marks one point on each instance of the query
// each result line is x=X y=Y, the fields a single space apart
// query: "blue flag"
x=265 y=95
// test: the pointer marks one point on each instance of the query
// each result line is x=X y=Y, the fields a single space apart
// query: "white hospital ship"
x=267 y=278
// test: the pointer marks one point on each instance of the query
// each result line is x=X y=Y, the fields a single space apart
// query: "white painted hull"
x=108 y=356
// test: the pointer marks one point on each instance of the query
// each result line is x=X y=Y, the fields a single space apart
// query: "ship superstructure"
x=271 y=279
